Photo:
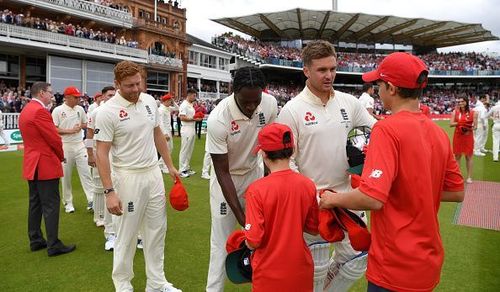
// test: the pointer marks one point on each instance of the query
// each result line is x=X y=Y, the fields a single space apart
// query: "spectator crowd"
x=467 y=63
x=76 y=30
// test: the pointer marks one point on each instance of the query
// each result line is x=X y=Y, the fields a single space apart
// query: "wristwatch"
x=107 y=191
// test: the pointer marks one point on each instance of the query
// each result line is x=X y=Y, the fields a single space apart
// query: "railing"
x=10 y=121
x=138 y=22
x=105 y=13
x=167 y=61
x=207 y=95
x=19 y=32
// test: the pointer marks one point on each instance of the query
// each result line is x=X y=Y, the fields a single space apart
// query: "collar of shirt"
x=125 y=103
x=236 y=114
x=39 y=101
x=66 y=107
x=313 y=99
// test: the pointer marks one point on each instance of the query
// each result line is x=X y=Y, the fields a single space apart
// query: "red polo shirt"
x=279 y=208
x=409 y=163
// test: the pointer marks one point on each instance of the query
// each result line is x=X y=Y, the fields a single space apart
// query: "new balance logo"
x=376 y=173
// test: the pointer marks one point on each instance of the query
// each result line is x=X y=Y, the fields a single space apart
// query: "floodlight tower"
x=335 y=5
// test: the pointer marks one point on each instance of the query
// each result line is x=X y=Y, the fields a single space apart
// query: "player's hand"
x=327 y=200
x=77 y=128
x=91 y=160
x=174 y=173
x=167 y=137
x=114 y=204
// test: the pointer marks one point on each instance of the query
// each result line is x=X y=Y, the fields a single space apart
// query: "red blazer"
x=42 y=144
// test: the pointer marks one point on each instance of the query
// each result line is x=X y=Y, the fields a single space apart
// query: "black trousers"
x=197 y=128
x=44 y=200
x=178 y=126
x=374 y=288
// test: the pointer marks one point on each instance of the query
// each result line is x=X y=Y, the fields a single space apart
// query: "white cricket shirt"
x=367 y=101
x=129 y=127
x=320 y=133
x=187 y=109
x=230 y=131
x=66 y=117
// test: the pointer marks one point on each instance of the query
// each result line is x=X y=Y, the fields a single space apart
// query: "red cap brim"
x=371 y=76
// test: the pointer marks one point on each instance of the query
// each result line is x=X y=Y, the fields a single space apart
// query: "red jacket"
x=42 y=144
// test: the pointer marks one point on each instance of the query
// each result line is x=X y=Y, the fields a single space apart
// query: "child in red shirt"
x=279 y=208
x=409 y=170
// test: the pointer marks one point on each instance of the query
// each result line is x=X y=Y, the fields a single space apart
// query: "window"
x=141 y=13
x=35 y=69
x=193 y=58
x=208 y=61
x=223 y=64
x=158 y=81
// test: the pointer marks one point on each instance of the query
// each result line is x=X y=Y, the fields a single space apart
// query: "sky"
x=485 y=12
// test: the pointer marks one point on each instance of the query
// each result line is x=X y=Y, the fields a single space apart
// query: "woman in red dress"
x=465 y=122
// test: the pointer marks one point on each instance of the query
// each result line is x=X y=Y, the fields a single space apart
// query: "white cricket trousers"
x=101 y=213
x=480 y=137
x=187 y=146
x=75 y=153
x=207 y=163
x=142 y=194
x=223 y=223
x=496 y=140
x=170 y=143
x=4 y=137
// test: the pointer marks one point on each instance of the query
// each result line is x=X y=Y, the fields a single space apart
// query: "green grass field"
x=472 y=260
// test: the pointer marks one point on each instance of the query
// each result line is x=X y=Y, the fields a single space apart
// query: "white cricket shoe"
x=191 y=172
x=170 y=288
x=205 y=176
x=479 y=153
x=110 y=243
x=68 y=208
x=469 y=180
x=99 y=223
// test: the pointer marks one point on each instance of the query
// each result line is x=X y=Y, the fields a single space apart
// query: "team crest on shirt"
x=235 y=128
x=345 y=118
x=150 y=113
x=123 y=115
x=63 y=115
x=310 y=119
x=262 y=120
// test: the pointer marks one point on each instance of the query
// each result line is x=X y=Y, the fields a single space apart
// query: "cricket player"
x=167 y=105
x=6 y=141
x=128 y=126
x=494 y=113
x=70 y=119
x=186 y=114
x=403 y=189
x=321 y=119
x=481 y=133
x=101 y=215
x=367 y=100
x=232 y=132
x=97 y=101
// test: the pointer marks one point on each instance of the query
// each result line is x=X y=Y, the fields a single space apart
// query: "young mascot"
x=280 y=207
x=409 y=170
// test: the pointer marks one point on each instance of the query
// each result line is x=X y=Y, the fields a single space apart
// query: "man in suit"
x=42 y=168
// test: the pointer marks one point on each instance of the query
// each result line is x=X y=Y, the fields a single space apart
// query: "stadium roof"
x=356 y=28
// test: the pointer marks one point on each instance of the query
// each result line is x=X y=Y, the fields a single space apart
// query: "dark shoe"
x=61 y=250
x=38 y=246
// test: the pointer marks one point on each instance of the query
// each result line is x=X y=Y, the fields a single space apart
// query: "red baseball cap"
x=401 y=69
x=73 y=91
x=235 y=241
x=166 y=97
x=271 y=138
x=97 y=95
